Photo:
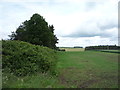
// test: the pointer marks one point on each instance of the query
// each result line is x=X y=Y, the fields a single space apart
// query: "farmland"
x=73 y=49
x=76 y=69
x=88 y=69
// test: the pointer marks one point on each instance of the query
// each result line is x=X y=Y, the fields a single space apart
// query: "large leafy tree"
x=36 y=31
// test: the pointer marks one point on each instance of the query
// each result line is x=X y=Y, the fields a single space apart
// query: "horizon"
x=85 y=46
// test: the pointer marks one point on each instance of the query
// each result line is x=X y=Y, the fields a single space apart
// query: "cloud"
x=79 y=21
x=85 y=41
x=93 y=29
x=98 y=22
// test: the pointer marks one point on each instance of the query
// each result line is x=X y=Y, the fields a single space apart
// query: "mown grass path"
x=88 y=69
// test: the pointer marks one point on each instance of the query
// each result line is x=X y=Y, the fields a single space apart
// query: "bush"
x=23 y=58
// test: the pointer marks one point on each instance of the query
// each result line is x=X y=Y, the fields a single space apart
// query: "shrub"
x=23 y=58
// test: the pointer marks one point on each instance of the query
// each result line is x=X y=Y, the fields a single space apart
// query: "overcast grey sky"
x=76 y=22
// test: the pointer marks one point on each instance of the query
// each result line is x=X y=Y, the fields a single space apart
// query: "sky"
x=76 y=22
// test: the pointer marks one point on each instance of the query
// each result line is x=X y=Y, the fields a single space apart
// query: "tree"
x=36 y=31
x=54 y=38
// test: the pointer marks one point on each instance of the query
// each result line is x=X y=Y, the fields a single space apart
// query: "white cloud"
x=85 y=41
x=95 y=21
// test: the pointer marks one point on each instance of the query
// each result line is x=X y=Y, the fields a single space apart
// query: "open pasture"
x=88 y=69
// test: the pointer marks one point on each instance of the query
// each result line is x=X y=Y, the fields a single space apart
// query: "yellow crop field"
x=73 y=49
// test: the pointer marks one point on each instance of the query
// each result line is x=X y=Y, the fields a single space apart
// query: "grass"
x=111 y=51
x=87 y=69
x=33 y=81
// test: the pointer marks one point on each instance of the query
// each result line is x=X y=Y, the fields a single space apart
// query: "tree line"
x=107 y=47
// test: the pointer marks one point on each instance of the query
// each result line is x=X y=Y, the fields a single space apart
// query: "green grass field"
x=111 y=51
x=77 y=69
x=88 y=69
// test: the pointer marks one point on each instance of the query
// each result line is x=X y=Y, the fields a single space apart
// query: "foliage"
x=36 y=31
x=23 y=58
x=106 y=47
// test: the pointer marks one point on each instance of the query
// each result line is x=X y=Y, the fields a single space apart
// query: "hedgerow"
x=22 y=58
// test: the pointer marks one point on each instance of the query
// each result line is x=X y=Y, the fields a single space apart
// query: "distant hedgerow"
x=22 y=58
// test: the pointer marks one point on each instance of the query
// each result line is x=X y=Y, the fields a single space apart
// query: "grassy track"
x=87 y=69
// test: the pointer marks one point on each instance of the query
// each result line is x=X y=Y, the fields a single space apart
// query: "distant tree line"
x=36 y=31
x=103 y=47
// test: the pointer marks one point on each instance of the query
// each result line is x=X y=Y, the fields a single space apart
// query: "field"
x=111 y=51
x=76 y=69
x=88 y=69
x=73 y=49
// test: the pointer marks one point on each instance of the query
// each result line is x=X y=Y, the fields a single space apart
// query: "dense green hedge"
x=22 y=58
